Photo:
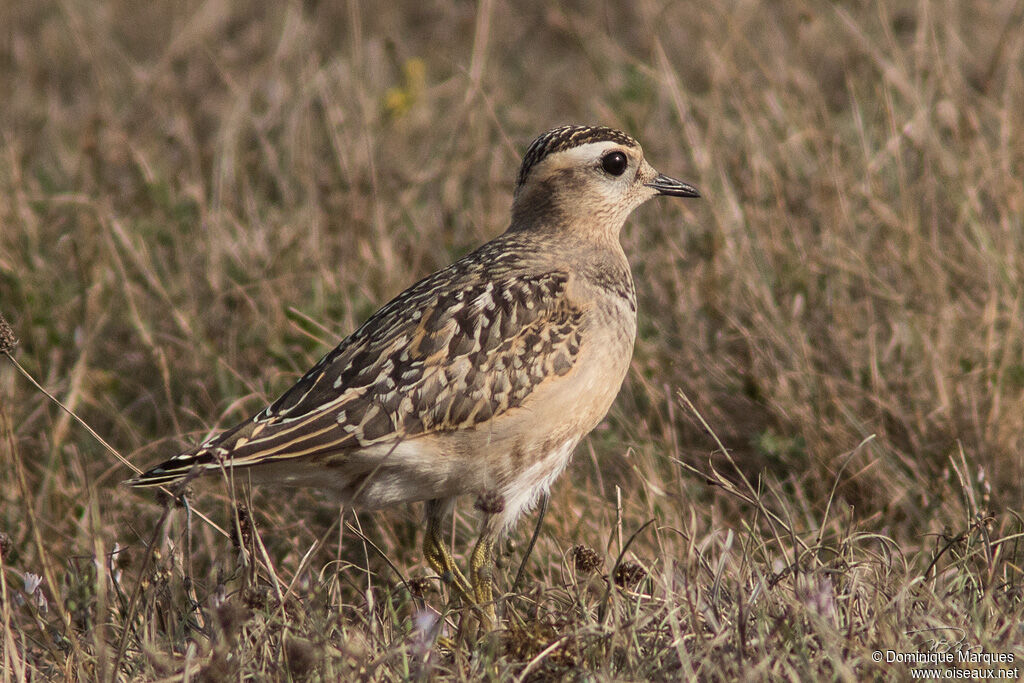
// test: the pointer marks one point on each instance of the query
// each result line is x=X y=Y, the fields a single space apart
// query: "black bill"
x=672 y=187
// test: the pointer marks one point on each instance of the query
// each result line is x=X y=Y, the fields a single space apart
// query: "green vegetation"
x=198 y=199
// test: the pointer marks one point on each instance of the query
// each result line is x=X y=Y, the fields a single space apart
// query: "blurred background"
x=199 y=198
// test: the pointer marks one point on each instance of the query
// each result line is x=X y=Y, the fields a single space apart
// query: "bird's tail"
x=177 y=469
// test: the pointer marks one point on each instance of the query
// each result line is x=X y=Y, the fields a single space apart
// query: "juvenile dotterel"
x=479 y=379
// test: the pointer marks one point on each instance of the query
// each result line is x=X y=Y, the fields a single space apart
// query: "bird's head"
x=586 y=177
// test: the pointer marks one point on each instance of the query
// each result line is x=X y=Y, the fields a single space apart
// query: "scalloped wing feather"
x=455 y=350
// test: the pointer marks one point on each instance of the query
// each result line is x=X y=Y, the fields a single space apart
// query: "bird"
x=479 y=379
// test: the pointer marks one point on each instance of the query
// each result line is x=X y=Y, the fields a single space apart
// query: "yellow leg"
x=440 y=560
x=478 y=592
x=481 y=569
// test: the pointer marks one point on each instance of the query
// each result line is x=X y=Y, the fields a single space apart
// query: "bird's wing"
x=452 y=351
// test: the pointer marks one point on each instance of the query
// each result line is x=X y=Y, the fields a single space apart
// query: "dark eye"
x=614 y=163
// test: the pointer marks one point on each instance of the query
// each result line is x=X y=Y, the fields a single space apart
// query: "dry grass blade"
x=54 y=399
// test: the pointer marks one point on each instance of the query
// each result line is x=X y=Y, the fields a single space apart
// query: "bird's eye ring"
x=614 y=163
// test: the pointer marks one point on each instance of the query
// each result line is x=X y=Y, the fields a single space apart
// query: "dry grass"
x=197 y=200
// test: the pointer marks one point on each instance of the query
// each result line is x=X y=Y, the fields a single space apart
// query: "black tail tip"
x=157 y=476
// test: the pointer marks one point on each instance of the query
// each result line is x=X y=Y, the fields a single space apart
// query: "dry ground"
x=198 y=199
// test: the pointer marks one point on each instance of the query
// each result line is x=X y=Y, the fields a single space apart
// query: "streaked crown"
x=567 y=137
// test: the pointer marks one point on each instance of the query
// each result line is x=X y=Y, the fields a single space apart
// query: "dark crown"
x=567 y=137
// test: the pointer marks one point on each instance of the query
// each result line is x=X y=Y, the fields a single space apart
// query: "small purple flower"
x=33 y=588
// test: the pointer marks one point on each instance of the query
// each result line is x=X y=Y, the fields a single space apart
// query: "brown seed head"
x=586 y=559
x=629 y=574
x=7 y=339
x=419 y=587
